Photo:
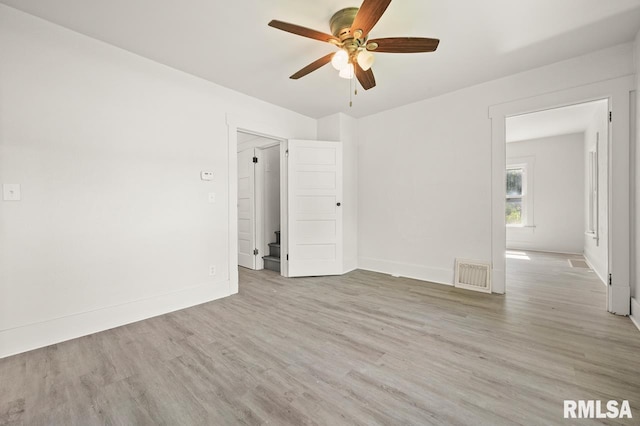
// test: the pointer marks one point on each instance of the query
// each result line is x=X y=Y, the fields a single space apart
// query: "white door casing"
x=314 y=207
x=246 y=209
x=618 y=92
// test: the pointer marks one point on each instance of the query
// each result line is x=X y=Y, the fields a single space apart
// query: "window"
x=519 y=192
x=515 y=202
x=593 y=192
x=592 y=219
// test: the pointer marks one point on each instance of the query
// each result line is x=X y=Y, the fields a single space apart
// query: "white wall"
x=329 y=127
x=341 y=127
x=556 y=174
x=348 y=132
x=596 y=250
x=635 y=186
x=425 y=169
x=114 y=223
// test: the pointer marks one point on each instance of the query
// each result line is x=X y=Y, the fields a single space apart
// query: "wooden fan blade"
x=366 y=78
x=405 y=44
x=304 y=32
x=368 y=15
x=313 y=66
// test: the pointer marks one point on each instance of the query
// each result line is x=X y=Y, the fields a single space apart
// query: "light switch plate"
x=206 y=175
x=11 y=192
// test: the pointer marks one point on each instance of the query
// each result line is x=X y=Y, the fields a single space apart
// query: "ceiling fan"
x=350 y=33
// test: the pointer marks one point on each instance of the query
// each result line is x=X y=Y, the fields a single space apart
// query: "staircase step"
x=274 y=250
x=272 y=263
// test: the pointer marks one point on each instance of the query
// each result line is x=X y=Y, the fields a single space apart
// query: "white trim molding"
x=407 y=270
x=586 y=259
x=36 y=335
x=617 y=91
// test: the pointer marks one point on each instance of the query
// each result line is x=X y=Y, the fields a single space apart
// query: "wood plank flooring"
x=360 y=349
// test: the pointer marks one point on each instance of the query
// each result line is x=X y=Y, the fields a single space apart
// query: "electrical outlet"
x=212 y=270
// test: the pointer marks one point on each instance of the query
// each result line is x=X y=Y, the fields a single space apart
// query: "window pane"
x=514 y=211
x=514 y=182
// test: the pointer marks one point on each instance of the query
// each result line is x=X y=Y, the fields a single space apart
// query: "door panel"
x=246 y=209
x=315 y=217
x=270 y=158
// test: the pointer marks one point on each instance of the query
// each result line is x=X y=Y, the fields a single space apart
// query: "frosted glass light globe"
x=340 y=60
x=365 y=59
x=347 y=72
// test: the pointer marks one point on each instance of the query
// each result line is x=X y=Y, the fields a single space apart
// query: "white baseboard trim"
x=33 y=336
x=635 y=312
x=586 y=259
x=407 y=270
x=349 y=266
x=539 y=250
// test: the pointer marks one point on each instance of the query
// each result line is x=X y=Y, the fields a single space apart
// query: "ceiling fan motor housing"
x=340 y=24
x=341 y=21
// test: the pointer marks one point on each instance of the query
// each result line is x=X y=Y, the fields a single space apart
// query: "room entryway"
x=556 y=205
x=259 y=207
x=289 y=197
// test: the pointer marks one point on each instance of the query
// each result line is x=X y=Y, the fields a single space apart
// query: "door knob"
x=338 y=204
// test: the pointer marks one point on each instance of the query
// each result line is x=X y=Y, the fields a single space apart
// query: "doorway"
x=311 y=171
x=556 y=204
x=259 y=201
x=292 y=186
x=618 y=92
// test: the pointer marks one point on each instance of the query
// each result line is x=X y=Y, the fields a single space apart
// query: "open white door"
x=246 y=210
x=314 y=212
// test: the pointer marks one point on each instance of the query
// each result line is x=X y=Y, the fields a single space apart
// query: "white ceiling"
x=229 y=42
x=552 y=122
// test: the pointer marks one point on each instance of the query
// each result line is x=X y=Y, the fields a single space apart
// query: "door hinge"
x=610 y=280
x=255 y=252
x=255 y=159
x=610 y=116
x=287 y=257
x=286 y=153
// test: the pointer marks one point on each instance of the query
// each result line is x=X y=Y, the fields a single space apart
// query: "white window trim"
x=593 y=195
x=527 y=166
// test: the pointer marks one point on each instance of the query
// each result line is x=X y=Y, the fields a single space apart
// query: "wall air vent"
x=577 y=263
x=473 y=275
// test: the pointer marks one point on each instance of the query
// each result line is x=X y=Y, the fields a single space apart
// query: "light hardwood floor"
x=360 y=349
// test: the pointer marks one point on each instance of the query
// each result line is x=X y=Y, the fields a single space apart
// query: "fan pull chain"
x=350 y=98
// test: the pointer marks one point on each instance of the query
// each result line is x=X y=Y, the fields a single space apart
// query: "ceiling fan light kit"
x=347 y=72
x=340 y=60
x=350 y=29
x=365 y=59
